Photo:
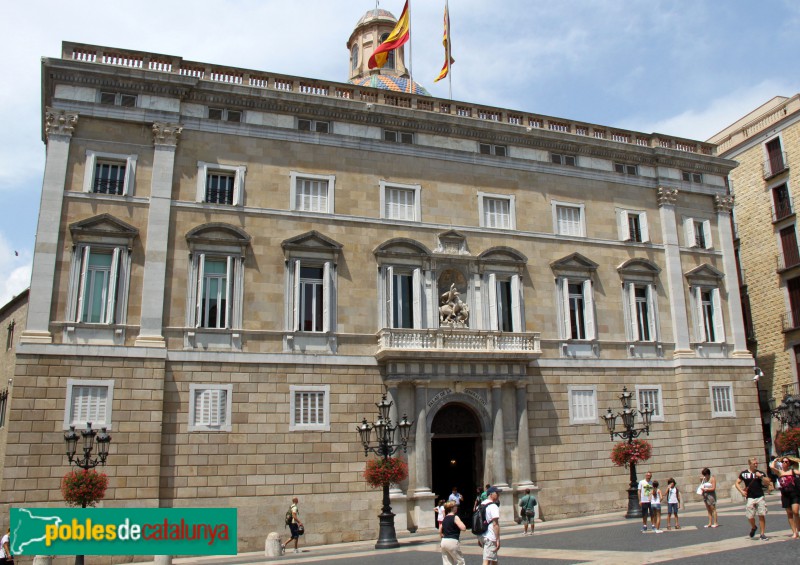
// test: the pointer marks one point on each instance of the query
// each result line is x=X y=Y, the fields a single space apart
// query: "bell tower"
x=369 y=32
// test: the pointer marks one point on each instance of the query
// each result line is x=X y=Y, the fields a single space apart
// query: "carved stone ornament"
x=723 y=203
x=59 y=122
x=166 y=134
x=453 y=312
x=666 y=196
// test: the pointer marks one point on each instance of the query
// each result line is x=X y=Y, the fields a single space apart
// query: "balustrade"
x=458 y=340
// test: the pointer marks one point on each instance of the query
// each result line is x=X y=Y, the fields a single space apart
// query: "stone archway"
x=456 y=453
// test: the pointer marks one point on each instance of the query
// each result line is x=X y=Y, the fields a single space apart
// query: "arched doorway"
x=456 y=454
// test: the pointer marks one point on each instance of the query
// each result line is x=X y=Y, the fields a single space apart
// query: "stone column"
x=675 y=287
x=724 y=205
x=58 y=128
x=165 y=139
x=422 y=498
x=498 y=437
x=523 y=440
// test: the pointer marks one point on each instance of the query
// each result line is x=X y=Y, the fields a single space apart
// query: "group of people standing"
x=651 y=498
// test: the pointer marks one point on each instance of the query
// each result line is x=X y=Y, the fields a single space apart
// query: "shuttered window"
x=309 y=407
x=88 y=401
x=582 y=405
x=722 y=400
x=210 y=407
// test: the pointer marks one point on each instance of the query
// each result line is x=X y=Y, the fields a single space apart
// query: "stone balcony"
x=456 y=344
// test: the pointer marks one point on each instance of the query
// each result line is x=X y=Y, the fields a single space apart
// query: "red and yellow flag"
x=448 y=60
x=398 y=37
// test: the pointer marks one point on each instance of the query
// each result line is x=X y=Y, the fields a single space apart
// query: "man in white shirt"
x=645 y=498
x=456 y=497
x=491 y=539
x=5 y=550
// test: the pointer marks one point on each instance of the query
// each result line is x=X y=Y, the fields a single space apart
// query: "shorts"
x=710 y=498
x=788 y=500
x=655 y=507
x=672 y=508
x=646 y=509
x=755 y=506
x=525 y=519
x=489 y=550
x=294 y=530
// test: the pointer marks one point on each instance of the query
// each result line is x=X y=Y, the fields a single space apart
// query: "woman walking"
x=450 y=532
x=708 y=489
x=789 y=481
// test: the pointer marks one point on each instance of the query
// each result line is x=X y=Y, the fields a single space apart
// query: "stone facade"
x=12 y=321
x=566 y=247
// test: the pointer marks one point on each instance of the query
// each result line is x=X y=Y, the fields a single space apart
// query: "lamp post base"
x=634 y=508
x=387 y=537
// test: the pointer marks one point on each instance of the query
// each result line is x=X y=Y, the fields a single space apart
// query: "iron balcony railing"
x=782 y=210
x=790 y=320
x=788 y=259
x=775 y=164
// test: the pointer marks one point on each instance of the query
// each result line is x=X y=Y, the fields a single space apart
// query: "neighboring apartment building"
x=12 y=323
x=231 y=266
x=766 y=143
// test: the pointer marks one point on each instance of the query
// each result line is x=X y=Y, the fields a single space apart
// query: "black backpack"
x=479 y=523
x=288 y=519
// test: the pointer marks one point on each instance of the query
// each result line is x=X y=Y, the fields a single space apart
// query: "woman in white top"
x=655 y=508
x=673 y=503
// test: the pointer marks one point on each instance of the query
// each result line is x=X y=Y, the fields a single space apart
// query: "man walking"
x=491 y=539
x=753 y=481
x=527 y=511
x=645 y=498
x=457 y=498
x=294 y=526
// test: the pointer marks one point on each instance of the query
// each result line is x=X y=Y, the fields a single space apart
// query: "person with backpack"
x=490 y=540
x=296 y=527
x=527 y=511
x=450 y=532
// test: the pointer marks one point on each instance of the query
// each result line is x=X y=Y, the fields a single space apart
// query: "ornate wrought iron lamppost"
x=384 y=446
x=630 y=433
x=787 y=412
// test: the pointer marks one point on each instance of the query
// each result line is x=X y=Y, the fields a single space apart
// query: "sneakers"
x=763 y=537
x=753 y=532
x=297 y=551
x=283 y=549
x=644 y=529
x=659 y=531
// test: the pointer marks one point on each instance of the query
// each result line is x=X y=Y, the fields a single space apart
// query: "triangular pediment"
x=401 y=247
x=574 y=262
x=704 y=273
x=452 y=242
x=503 y=254
x=312 y=241
x=641 y=267
x=104 y=224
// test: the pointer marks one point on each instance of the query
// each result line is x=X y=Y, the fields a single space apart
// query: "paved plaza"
x=606 y=539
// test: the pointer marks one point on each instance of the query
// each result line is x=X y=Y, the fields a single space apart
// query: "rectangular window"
x=3 y=407
x=650 y=397
x=400 y=203
x=311 y=305
x=109 y=178
x=642 y=313
x=311 y=299
x=108 y=173
x=88 y=401
x=576 y=309
x=775 y=162
x=504 y=300
x=558 y=159
x=722 y=405
x=210 y=407
x=632 y=226
x=698 y=233
x=626 y=169
x=793 y=288
x=496 y=213
x=214 y=292
x=781 y=202
x=398 y=136
x=313 y=125
x=709 y=322
x=223 y=114
x=490 y=149
x=309 y=407
x=577 y=321
x=504 y=309
x=98 y=284
x=311 y=195
x=789 y=252
x=582 y=405
x=403 y=297
x=403 y=300
x=569 y=220
x=118 y=99
x=692 y=177
x=219 y=188
x=707 y=306
x=220 y=184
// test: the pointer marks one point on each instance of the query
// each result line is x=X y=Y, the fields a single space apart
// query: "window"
x=313 y=125
x=88 y=401
x=97 y=269
x=354 y=57
x=404 y=292
x=489 y=149
x=400 y=202
x=650 y=397
x=641 y=303
x=10 y=335
x=626 y=169
x=793 y=290
x=789 y=256
x=309 y=408
x=390 y=54
x=781 y=202
x=504 y=293
x=118 y=99
x=225 y=115
x=568 y=219
x=698 y=233
x=217 y=290
x=220 y=184
x=312 y=193
x=709 y=324
x=569 y=160
x=398 y=136
x=692 y=177
x=577 y=307
x=497 y=211
x=632 y=226
x=210 y=408
x=582 y=405
x=312 y=282
x=109 y=173
x=722 y=405
x=775 y=162
x=3 y=407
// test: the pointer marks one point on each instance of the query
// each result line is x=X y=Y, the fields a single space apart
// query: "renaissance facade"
x=232 y=267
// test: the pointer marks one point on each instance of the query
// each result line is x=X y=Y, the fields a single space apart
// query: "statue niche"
x=453 y=312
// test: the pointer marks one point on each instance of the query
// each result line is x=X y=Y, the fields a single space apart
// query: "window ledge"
x=315 y=343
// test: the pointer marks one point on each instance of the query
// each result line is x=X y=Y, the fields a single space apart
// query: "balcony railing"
x=790 y=320
x=792 y=388
x=788 y=259
x=458 y=340
x=775 y=164
x=782 y=210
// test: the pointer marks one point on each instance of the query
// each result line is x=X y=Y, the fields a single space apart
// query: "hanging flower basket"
x=84 y=487
x=380 y=472
x=788 y=441
x=624 y=453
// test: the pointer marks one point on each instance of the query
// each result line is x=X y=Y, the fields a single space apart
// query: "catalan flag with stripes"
x=398 y=37
x=448 y=60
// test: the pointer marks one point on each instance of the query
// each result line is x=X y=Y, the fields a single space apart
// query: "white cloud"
x=15 y=271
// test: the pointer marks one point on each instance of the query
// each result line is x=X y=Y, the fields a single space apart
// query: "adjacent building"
x=232 y=266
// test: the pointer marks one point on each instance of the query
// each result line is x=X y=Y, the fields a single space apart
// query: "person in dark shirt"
x=450 y=531
x=751 y=484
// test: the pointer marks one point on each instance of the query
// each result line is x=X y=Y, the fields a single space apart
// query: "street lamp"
x=384 y=446
x=628 y=416
x=90 y=438
x=787 y=412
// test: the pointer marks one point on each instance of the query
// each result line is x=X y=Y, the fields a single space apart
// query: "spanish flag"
x=448 y=60
x=398 y=37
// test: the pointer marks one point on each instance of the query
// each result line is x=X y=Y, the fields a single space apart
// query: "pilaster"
x=723 y=205
x=523 y=478
x=498 y=437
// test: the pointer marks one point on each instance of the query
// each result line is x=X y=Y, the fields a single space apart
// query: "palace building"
x=232 y=266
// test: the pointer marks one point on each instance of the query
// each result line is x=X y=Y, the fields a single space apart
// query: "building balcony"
x=782 y=211
x=790 y=320
x=775 y=165
x=787 y=260
x=456 y=345
x=791 y=388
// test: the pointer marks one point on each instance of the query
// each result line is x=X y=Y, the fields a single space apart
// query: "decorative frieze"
x=666 y=196
x=723 y=203
x=59 y=122
x=166 y=134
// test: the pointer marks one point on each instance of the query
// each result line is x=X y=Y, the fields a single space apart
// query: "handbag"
x=700 y=488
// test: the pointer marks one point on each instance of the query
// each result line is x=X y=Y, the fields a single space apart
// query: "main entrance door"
x=456 y=454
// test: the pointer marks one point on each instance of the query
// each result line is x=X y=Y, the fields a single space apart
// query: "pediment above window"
x=638 y=268
x=452 y=242
x=311 y=242
x=575 y=263
x=402 y=247
x=704 y=274
x=105 y=228
x=503 y=255
x=218 y=235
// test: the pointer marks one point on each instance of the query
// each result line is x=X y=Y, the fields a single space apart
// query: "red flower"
x=84 y=487
x=624 y=453
x=788 y=441
x=389 y=471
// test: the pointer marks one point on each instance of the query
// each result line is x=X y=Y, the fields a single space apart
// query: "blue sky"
x=682 y=67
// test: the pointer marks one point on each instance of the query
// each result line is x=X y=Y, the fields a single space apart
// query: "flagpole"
x=410 y=58
x=449 y=42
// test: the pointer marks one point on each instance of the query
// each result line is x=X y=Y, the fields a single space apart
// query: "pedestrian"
x=5 y=549
x=754 y=483
x=456 y=497
x=645 y=498
x=527 y=511
x=789 y=482
x=295 y=527
x=485 y=493
x=478 y=492
x=440 y=513
x=490 y=541
x=655 y=509
x=708 y=488
x=673 y=503
x=450 y=532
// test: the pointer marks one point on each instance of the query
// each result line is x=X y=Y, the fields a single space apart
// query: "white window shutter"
x=389 y=296
x=588 y=309
x=326 y=297
x=416 y=291
x=719 y=322
x=629 y=292
x=707 y=233
x=202 y=173
x=516 y=301
x=699 y=319
x=111 y=298
x=643 y=227
x=238 y=186
x=296 y=300
x=82 y=285
x=228 y=291
x=563 y=288
x=688 y=228
x=201 y=276
x=622 y=225
x=493 y=302
x=652 y=310
x=130 y=176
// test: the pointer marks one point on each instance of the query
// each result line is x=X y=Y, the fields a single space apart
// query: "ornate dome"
x=376 y=15
x=391 y=82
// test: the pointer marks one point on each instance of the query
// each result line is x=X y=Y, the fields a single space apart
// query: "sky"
x=686 y=68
